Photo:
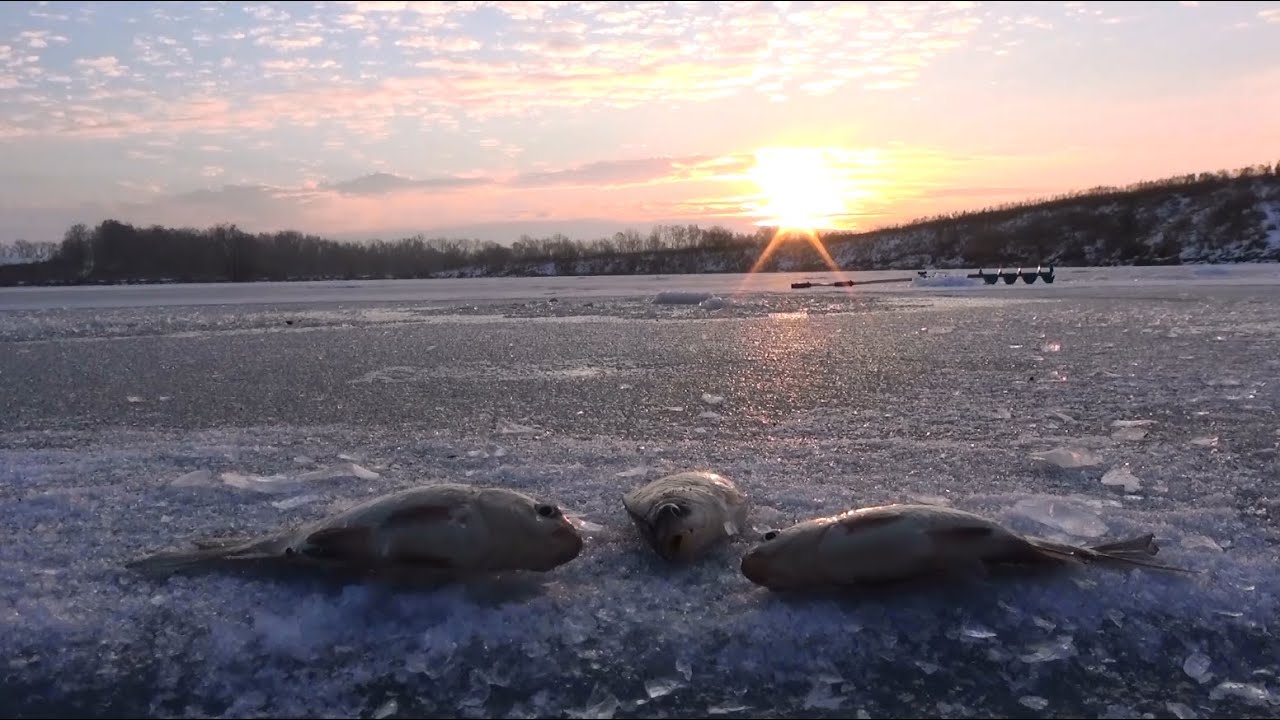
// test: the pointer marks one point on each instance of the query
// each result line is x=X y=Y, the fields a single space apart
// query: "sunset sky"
x=493 y=119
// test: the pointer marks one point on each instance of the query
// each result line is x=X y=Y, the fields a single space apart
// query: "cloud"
x=1271 y=15
x=382 y=183
x=41 y=38
x=289 y=44
x=106 y=65
x=606 y=173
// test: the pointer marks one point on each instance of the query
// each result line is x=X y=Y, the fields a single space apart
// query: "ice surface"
x=711 y=399
x=838 y=401
x=681 y=297
x=600 y=704
x=296 y=501
x=1069 y=457
x=1181 y=711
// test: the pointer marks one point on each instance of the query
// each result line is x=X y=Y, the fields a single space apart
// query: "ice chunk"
x=506 y=427
x=710 y=399
x=1063 y=515
x=1197 y=666
x=1060 y=416
x=1205 y=441
x=1132 y=423
x=680 y=297
x=1057 y=649
x=1121 y=477
x=713 y=303
x=1035 y=702
x=600 y=704
x=386 y=710
x=1001 y=414
x=582 y=523
x=727 y=708
x=269 y=484
x=1180 y=711
x=710 y=415
x=637 y=471
x=1248 y=692
x=1068 y=457
x=977 y=631
x=684 y=668
x=293 y=502
x=195 y=478
x=1051 y=346
x=1128 y=434
x=931 y=499
x=660 y=687
x=1194 y=541
x=341 y=470
x=134 y=399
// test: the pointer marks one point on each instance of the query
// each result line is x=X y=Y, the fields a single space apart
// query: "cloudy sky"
x=492 y=119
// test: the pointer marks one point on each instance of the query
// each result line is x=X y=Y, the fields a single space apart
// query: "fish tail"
x=1124 y=553
x=208 y=555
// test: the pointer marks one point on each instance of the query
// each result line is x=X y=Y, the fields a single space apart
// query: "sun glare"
x=801 y=189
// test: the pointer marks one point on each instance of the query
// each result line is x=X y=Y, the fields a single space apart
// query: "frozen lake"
x=135 y=419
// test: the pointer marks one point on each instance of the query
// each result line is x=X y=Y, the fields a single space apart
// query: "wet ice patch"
x=1070 y=517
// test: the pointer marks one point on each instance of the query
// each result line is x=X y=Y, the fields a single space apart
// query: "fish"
x=876 y=546
x=443 y=531
x=683 y=516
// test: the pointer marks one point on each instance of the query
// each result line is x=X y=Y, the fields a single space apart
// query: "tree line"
x=1151 y=221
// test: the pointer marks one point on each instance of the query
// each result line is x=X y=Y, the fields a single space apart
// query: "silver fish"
x=683 y=516
x=438 y=531
x=878 y=545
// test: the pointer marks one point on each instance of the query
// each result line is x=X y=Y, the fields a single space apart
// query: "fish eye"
x=770 y=535
x=547 y=511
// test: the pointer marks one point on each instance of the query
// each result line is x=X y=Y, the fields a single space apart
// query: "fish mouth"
x=569 y=542
x=755 y=568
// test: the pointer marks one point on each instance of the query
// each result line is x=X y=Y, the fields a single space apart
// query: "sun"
x=800 y=189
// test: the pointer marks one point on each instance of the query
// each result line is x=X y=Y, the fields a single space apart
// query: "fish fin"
x=865 y=521
x=339 y=543
x=167 y=563
x=1140 y=545
x=1126 y=556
